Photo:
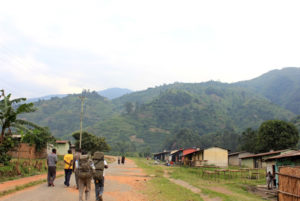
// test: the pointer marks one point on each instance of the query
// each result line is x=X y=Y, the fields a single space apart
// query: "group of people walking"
x=85 y=169
x=122 y=159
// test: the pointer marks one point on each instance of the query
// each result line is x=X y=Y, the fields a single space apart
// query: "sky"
x=61 y=47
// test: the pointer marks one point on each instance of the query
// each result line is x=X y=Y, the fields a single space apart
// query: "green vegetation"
x=18 y=188
x=24 y=168
x=214 y=112
x=10 y=111
x=282 y=87
x=272 y=134
x=90 y=142
x=160 y=188
x=231 y=187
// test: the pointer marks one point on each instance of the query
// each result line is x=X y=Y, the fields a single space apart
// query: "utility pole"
x=82 y=97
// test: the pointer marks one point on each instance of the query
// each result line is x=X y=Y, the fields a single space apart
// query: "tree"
x=249 y=140
x=39 y=137
x=9 y=112
x=129 y=107
x=90 y=142
x=277 y=135
x=184 y=138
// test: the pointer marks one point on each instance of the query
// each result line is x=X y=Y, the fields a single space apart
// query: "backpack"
x=84 y=170
x=98 y=160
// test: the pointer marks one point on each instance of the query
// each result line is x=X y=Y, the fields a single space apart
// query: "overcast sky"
x=61 y=46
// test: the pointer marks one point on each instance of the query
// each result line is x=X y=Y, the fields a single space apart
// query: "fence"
x=289 y=184
x=26 y=151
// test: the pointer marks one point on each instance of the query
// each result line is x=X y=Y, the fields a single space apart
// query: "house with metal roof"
x=234 y=159
x=258 y=160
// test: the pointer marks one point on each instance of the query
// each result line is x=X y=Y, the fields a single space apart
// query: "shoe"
x=100 y=198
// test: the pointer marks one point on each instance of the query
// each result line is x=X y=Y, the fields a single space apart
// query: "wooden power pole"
x=81 y=118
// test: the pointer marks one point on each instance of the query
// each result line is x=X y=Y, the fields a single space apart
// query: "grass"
x=18 y=188
x=160 y=188
x=225 y=187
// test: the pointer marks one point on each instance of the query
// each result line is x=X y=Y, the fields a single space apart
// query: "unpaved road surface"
x=122 y=183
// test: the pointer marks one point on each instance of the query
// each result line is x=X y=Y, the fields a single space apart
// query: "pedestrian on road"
x=119 y=160
x=269 y=180
x=100 y=163
x=85 y=168
x=123 y=159
x=51 y=162
x=75 y=170
x=68 y=159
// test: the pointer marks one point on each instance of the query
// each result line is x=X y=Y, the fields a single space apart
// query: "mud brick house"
x=210 y=156
x=162 y=156
x=234 y=159
x=259 y=160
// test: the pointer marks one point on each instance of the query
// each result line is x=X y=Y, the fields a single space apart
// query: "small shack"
x=289 y=158
x=210 y=156
x=258 y=160
x=234 y=159
x=162 y=156
x=62 y=147
x=176 y=156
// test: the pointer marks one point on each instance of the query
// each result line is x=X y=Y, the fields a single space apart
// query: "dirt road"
x=122 y=183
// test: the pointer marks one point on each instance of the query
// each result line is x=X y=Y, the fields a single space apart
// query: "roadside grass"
x=160 y=188
x=25 y=168
x=21 y=187
x=228 y=188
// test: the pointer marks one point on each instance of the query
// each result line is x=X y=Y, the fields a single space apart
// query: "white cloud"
x=139 y=44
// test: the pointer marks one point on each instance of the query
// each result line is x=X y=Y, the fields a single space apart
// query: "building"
x=62 y=147
x=176 y=156
x=258 y=160
x=289 y=158
x=210 y=156
x=234 y=159
x=162 y=156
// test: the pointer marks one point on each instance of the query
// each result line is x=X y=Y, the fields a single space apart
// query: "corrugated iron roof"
x=286 y=155
x=264 y=154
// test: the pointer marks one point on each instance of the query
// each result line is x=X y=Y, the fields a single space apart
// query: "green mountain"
x=204 y=108
x=62 y=115
x=279 y=86
x=214 y=111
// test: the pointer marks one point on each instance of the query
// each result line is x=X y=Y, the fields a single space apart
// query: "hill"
x=204 y=108
x=281 y=87
x=113 y=93
x=62 y=115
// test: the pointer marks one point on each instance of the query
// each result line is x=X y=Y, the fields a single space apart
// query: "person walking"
x=269 y=180
x=123 y=159
x=100 y=163
x=51 y=163
x=119 y=160
x=85 y=168
x=75 y=170
x=68 y=159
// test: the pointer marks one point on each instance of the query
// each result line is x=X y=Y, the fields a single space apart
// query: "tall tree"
x=276 y=135
x=249 y=140
x=90 y=142
x=9 y=113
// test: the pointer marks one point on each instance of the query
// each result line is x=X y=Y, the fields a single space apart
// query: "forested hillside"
x=205 y=109
x=279 y=86
x=62 y=115
x=214 y=113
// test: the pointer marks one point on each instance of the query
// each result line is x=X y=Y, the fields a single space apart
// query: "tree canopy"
x=276 y=135
x=90 y=142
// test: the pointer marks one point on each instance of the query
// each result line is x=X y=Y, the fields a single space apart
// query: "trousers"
x=99 y=188
x=51 y=175
x=84 y=185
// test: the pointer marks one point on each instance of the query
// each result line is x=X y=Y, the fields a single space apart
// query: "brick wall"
x=26 y=151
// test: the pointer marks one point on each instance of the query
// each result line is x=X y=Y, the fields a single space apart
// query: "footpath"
x=13 y=184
